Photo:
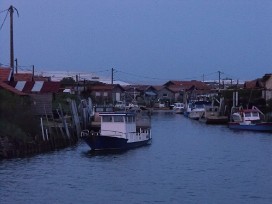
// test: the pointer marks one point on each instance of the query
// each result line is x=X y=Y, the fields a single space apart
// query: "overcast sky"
x=143 y=40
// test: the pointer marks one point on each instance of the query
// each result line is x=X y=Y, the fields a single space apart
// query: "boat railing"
x=255 y=108
x=84 y=133
x=116 y=133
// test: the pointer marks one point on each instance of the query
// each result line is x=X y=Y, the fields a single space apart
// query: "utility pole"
x=112 y=75
x=77 y=89
x=11 y=11
x=33 y=71
x=219 y=78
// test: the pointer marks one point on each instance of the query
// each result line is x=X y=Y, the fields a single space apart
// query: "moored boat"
x=188 y=109
x=198 y=110
x=178 y=108
x=250 y=119
x=119 y=131
x=212 y=115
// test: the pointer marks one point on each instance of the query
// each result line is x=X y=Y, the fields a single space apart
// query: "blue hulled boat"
x=119 y=131
x=250 y=119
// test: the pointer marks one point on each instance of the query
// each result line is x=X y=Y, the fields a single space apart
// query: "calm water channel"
x=188 y=162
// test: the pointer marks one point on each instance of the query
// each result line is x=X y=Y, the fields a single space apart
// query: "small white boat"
x=198 y=110
x=178 y=108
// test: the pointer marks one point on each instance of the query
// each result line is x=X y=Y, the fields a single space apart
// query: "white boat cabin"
x=122 y=125
x=246 y=115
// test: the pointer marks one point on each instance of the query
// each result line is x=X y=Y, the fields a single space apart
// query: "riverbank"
x=14 y=148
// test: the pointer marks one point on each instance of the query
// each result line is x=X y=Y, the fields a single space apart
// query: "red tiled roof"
x=50 y=87
x=138 y=87
x=5 y=73
x=105 y=87
x=23 y=77
x=158 y=87
x=257 y=83
x=175 y=88
x=188 y=84
x=9 y=88
x=28 y=86
x=28 y=77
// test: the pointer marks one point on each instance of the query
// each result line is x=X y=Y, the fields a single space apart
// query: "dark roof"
x=175 y=88
x=266 y=77
x=254 y=84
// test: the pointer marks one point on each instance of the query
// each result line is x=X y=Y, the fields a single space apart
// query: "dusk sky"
x=143 y=40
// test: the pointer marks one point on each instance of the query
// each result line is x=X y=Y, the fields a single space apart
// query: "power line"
x=4 y=21
x=3 y=11
x=141 y=76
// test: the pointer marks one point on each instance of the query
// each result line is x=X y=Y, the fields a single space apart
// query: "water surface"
x=187 y=162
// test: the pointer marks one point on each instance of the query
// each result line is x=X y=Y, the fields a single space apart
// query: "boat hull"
x=109 y=143
x=195 y=115
x=262 y=127
x=216 y=120
x=178 y=111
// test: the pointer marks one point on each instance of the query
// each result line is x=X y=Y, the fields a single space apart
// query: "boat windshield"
x=130 y=119
x=247 y=114
x=106 y=118
x=118 y=118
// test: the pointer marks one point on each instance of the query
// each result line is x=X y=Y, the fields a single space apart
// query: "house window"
x=165 y=95
x=97 y=94
x=105 y=94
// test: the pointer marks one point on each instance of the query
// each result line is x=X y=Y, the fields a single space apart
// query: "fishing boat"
x=249 y=119
x=215 y=114
x=178 y=108
x=119 y=131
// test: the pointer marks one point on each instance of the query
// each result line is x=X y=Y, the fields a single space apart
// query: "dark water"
x=188 y=162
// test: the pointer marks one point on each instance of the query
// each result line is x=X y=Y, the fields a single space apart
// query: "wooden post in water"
x=75 y=117
x=42 y=129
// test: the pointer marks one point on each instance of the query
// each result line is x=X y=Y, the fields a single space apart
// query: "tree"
x=68 y=81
